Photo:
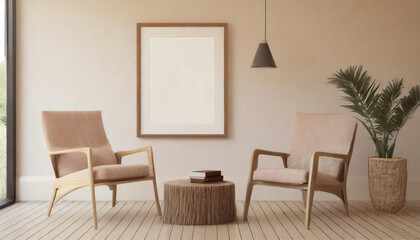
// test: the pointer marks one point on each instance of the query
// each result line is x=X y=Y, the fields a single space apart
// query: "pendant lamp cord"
x=265 y=20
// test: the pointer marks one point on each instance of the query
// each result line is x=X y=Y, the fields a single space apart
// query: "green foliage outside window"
x=2 y=130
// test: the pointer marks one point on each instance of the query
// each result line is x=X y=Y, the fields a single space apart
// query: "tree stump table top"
x=187 y=183
x=189 y=203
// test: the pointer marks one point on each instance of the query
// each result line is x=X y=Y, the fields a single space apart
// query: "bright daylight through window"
x=3 y=158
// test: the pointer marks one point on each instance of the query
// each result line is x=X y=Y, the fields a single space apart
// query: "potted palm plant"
x=383 y=114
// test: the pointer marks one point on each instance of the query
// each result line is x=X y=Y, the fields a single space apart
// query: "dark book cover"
x=207 y=179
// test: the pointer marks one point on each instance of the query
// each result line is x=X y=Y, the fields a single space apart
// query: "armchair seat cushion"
x=292 y=176
x=282 y=175
x=110 y=173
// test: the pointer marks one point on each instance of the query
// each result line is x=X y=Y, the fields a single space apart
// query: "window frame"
x=11 y=103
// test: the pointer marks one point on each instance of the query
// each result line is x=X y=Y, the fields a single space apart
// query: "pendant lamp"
x=263 y=57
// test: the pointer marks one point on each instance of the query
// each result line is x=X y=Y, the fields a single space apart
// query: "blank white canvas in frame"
x=182 y=81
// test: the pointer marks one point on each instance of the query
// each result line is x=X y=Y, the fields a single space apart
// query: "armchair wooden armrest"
x=312 y=180
x=253 y=167
x=332 y=155
x=152 y=173
x=315 y=162
x=85 y=150
x=258 y=152
x=121 y=154
x=147 y=149
x=88 y=152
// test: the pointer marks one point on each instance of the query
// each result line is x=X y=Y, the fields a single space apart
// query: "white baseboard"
x=35 y=188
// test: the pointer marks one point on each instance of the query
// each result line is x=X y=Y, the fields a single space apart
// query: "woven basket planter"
x=387 y=183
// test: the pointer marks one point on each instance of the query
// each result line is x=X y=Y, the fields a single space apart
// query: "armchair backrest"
x=332 y=133
x=76 y=129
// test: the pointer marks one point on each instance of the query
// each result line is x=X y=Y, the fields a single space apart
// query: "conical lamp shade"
x=263 y=57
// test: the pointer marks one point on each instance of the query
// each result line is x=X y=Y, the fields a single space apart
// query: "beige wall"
x=81 y=55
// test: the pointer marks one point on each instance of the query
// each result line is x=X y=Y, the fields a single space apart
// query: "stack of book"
x=206 y=176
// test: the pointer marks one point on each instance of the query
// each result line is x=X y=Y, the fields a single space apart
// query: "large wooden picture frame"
x=182 y=79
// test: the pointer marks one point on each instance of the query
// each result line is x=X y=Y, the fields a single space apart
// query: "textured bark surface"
x=388 y=183
x=199 y=203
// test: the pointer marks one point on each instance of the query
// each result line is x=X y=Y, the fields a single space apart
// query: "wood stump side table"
x=199 y=203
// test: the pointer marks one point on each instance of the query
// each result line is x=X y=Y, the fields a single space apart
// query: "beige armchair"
x=318 y=159
x=82 y=156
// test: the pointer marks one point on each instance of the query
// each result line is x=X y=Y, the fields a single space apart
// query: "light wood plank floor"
x=267 y=220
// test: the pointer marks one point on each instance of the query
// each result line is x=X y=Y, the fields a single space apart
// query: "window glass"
x=3 y=82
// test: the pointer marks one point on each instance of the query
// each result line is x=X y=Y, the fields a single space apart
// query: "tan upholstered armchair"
x=318 y=159
x=82 y=156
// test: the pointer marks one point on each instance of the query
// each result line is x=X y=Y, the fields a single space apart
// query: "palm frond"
x=361 y=93
x=387 y=105
x=406 y=108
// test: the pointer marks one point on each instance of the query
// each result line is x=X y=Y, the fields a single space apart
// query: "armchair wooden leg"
x=345 y=202
x=156 y=197
x=248 y=199
x=54 y=194
x=304 y=197
x=95 y=218
x=309 y=200
x=114 y=195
